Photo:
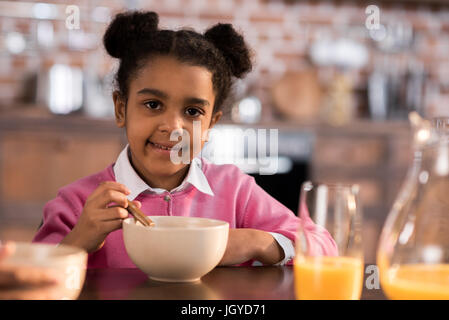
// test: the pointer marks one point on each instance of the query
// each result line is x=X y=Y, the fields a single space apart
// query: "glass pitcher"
x=413 y=252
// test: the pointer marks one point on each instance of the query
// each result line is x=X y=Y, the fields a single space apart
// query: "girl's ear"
x=120 y=109
x=215 y=117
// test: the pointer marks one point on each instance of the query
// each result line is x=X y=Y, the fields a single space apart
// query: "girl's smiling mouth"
x=159 y=148
x=164 y=148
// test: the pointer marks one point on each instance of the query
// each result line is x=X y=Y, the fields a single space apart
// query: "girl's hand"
x=247 y=244
x=99 y=218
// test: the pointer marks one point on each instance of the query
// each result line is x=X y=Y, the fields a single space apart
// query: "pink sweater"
x=238 y=200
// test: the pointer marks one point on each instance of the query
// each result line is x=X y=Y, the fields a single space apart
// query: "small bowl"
x=176 y=249
x=69 y=264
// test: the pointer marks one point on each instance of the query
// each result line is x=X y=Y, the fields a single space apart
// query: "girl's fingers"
x=138 y=204
x=115 y=186
x=113 y=213
x=108 y=196
x=109 y=185
x=112 y=225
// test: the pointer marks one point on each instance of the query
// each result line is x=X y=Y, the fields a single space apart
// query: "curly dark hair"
x=134 y=37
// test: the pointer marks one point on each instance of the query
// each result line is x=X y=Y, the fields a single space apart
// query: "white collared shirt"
x=126 y=175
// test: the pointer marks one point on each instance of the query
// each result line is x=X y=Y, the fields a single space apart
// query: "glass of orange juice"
x=329 y=255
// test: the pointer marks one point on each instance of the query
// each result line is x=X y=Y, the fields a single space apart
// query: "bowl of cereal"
x=176 y=249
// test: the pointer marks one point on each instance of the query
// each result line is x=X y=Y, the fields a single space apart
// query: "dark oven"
x=278 y=159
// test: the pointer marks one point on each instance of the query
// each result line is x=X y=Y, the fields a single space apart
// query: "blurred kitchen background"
x=337 y=78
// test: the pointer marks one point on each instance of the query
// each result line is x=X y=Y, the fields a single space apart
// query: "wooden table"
x=222 y=283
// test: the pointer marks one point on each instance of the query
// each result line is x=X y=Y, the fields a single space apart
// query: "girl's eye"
x=193 y=112
x=152 y=104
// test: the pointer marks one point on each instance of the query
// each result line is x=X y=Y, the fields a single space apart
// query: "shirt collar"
x=125 y=174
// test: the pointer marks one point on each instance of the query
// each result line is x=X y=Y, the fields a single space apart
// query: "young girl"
x=166 y=81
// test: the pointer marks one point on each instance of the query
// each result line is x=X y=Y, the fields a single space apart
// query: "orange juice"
x=328 y=278
x=417 y=282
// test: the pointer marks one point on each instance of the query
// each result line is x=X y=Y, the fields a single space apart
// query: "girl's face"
x=166 y=95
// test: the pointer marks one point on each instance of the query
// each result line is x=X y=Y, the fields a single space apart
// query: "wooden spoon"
x=139 y=215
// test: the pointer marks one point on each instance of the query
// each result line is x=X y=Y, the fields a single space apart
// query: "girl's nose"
x=170 y=122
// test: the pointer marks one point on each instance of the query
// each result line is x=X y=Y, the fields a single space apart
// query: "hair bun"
x=127 y=29
x=233 y=47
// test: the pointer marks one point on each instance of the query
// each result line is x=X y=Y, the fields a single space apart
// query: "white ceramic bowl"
x=176 y=249
x=69 y=263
